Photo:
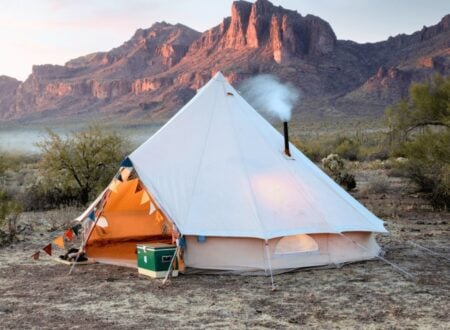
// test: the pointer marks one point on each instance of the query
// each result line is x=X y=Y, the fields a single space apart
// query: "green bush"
x=9 y=211
x=347 y=148
x=38 y=197
x=313 y=149
x=419 y=130
x=9 y=206
x=360 y=146
x=428 y=165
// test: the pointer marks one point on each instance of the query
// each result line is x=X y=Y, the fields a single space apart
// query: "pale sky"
x=55 y=31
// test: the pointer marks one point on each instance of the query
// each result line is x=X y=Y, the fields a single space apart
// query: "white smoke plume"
x=266 y=93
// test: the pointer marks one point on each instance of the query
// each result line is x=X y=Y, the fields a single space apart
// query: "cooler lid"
x=155 y=246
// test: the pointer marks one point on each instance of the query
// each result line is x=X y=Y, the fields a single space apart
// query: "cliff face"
x=159 y=68
x=279 y=32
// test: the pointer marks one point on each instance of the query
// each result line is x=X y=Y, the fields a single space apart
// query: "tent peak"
x=219 y=77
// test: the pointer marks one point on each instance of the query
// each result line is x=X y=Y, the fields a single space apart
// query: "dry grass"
x=377 y=185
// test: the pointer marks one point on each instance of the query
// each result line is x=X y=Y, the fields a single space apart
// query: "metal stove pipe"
x=286 y=139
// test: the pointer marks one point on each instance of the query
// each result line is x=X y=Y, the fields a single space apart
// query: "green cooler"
x=154 y=259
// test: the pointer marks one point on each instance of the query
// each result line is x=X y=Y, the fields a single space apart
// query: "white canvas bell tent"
x=218 y=174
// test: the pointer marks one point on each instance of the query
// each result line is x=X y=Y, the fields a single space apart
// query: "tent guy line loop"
x=396 y=267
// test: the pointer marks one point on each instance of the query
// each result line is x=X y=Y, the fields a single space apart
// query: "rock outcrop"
x=282 y=33
x=385 y=87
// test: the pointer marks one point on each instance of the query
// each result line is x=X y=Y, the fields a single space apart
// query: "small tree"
x=419 y=129
x=427 y=107
x=83 y=161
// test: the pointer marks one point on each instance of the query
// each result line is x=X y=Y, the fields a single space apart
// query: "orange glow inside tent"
x=126 y=223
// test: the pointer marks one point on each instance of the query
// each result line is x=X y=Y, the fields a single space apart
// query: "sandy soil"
x=40 y=294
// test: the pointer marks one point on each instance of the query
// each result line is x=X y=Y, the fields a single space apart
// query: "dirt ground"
x=372 y=294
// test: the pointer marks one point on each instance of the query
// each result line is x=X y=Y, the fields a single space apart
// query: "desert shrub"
x=41 y=197
x=428 y=165
x=378 y=185
x=435 y=184
x=314 y=149
x=14 y=160
x=396 y=172
x=360 y=146
x=376 y=165
x=347 y=181
x=372 y=146
x=9 y=206
x=7 y=162
x=374 y=153
x=347 y=148
x=419 y=130
x=440 y=195
x=335 y=167
x=9 y=211
x=78 y=165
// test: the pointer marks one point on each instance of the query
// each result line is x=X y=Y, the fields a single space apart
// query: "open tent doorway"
x=129 y=216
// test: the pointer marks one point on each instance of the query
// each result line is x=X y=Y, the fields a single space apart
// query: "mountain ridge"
x=160 y=68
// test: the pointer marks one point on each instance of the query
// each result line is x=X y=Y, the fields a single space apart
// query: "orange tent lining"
x=129 y=224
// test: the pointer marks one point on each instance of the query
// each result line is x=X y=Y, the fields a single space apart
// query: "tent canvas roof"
x=217 y=168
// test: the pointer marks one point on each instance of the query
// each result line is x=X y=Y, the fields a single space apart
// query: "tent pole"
x=169 y=271
x=76 y=259
x=266 y=248
x=84 y=241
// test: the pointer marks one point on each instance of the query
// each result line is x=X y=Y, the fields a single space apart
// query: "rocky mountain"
x=8 y=87
x=160 y=68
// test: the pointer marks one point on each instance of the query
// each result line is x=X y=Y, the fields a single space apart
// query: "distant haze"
x=24 y=140
x=52 y=31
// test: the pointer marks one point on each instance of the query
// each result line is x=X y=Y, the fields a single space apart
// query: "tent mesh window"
x=296 y=244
